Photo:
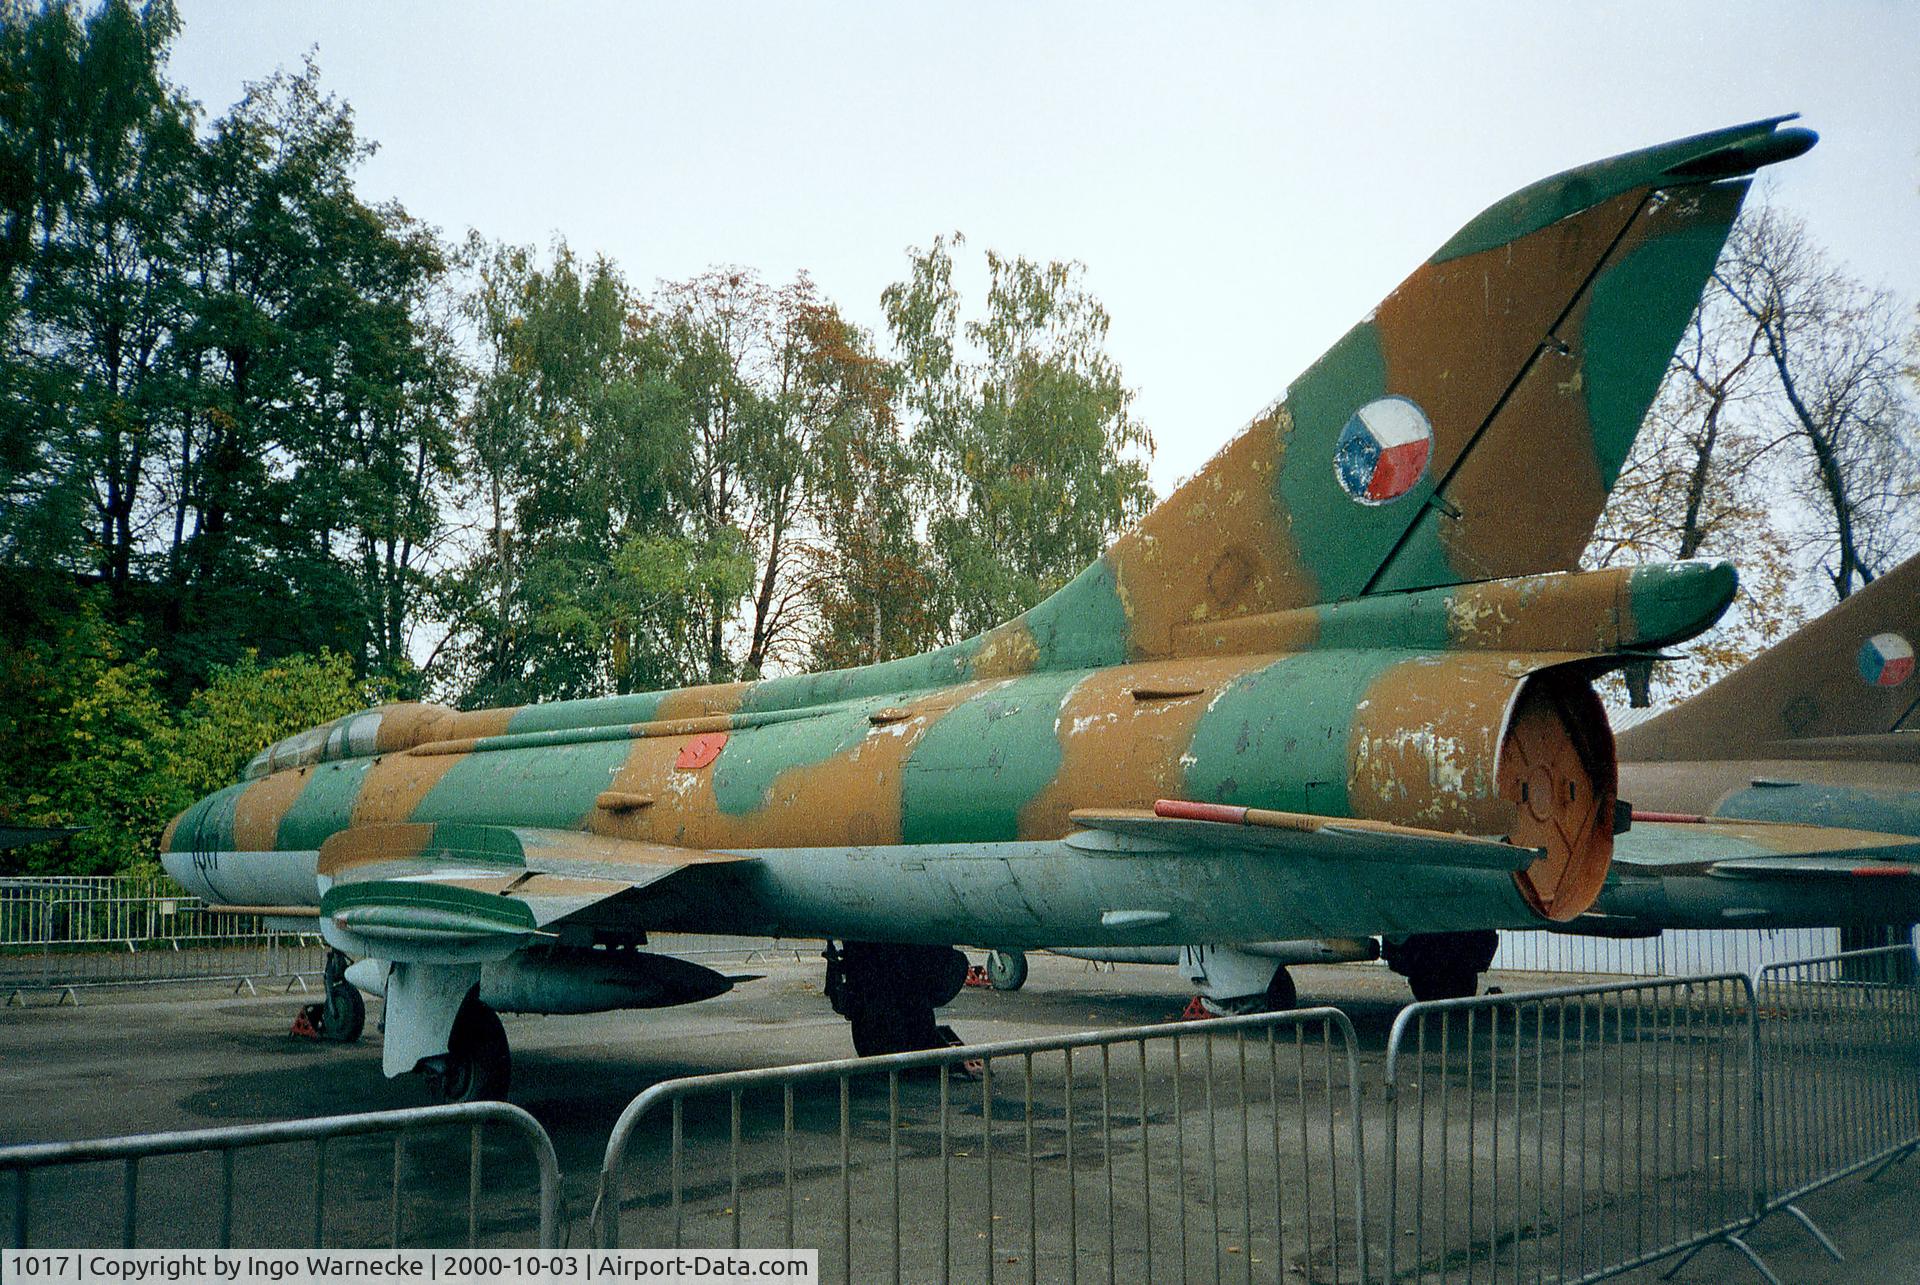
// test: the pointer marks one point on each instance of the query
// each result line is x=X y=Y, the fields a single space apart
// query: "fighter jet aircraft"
x=1325 y=653
x=1822 y=728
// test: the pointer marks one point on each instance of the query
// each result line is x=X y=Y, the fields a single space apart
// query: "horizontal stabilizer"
x=1733 y=849
x=1176 y=824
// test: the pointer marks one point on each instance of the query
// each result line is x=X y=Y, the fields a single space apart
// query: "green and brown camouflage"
x=1306 y=710
x=1361 y=610
x=1824 y=727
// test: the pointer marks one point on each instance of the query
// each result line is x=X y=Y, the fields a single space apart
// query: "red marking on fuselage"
x=700 y=751
x=1864 y=872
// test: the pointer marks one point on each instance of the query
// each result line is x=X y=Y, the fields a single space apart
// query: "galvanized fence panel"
x=1216 y=1150
x=62 y=932
x=1568 y=1134
x=441 y=1181
x=1839 y=1041
x=1677 y=952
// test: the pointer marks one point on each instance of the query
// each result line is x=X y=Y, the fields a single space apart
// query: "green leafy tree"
x=311 y=469
x=875 y=594
x=98 y=184
x=594 y=574
x=1029 y=453
x=249 y=705
x=100 y=736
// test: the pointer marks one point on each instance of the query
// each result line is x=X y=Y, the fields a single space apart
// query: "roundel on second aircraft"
x=1383 y=451
x=1886 y=660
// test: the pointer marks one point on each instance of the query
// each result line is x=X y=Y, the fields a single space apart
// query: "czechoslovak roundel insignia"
x=1383 y=450
x=1886 y=660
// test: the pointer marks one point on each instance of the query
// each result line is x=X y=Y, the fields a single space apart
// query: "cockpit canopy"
x=382 y=730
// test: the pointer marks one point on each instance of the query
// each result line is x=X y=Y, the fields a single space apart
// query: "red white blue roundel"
x=1383 y=450
x=1886 y=660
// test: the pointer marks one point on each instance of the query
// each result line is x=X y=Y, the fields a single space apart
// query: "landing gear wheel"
x=1442 y=965
x=342 y=1015
x=888 y=993
x=946 y=975
x=1007 y=969
x=478 y=1066
x=880 y=1028
x=1282 y=995
x=1444 y=981
x=1279 y=996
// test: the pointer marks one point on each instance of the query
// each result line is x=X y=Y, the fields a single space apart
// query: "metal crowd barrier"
x=58 y=933
x=1569 y=1134
x=1678 y=952
x=168 y=1204
x=1213 y=1150
x=1839 y=1051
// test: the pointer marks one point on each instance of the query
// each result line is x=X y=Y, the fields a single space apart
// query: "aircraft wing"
x=1175 y=824
x=446 y=892
x=1733 y=849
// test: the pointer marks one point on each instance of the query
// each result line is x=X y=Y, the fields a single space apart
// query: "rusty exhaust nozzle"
x=1556 y=767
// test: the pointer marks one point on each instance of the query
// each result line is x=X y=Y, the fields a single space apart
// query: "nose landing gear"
x=341 y=1016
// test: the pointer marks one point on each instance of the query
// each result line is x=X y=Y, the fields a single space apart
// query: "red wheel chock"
x=977 y=975
x=306 y=1023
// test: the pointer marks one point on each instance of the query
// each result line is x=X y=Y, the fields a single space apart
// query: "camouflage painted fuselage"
x=859 y=782
x=1338 y=616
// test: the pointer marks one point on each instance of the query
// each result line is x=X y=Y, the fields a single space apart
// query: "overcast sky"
x=1243 y=182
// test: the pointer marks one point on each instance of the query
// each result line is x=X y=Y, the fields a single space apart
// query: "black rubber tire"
x=1445 y=981
x=887 y=992
x=479 y=1065
x=947 y=977
x=882 y=1028
x=344 y=1014
x=1007 y=969
x=1282 y=996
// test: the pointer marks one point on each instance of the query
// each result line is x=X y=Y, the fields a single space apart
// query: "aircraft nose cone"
x=177 y=851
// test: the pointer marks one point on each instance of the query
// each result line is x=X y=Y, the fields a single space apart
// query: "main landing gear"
x=1233 y=982
x=476 y=1066
x=342 y=1015
x=1442 y=965
x=888 y=992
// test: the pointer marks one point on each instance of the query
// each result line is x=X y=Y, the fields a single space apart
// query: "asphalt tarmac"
x=139 y=1059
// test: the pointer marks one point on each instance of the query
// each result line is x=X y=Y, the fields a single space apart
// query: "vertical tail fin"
x=1849 y=673
x=1470 y=428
